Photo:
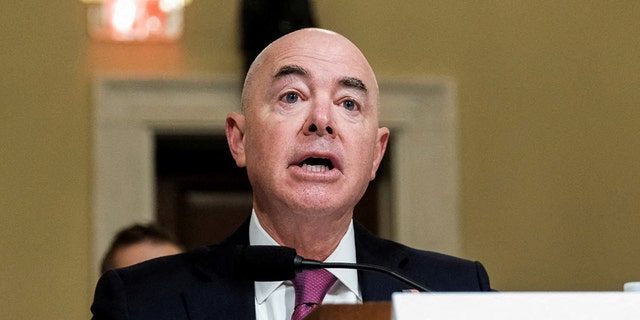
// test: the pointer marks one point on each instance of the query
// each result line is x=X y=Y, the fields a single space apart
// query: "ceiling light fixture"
x=135 y=20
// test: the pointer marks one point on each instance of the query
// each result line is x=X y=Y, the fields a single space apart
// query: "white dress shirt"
x=275 y=299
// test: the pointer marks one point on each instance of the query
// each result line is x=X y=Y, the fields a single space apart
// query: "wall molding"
x=129 y=111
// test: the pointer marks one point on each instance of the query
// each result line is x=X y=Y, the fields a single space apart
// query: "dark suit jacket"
x=201 y=284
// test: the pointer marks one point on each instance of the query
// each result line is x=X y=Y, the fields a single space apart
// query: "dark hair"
x=132 y=235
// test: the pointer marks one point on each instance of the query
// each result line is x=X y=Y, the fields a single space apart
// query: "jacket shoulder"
x=438 y=271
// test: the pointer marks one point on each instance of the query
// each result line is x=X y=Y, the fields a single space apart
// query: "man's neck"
x=312 y=237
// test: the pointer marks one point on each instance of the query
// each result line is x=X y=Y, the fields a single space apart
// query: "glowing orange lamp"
x=135 y=20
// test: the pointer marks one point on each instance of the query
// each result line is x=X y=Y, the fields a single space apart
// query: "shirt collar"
x=345 y=252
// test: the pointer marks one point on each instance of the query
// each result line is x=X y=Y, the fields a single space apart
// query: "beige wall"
x=549 y=111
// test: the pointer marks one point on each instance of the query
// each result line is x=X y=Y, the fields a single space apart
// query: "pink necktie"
x=311 y=286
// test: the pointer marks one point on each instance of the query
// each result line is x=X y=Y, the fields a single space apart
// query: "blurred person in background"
x=138 y=243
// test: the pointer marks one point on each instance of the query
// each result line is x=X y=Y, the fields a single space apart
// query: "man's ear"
x=235 y=137
x=379 y=149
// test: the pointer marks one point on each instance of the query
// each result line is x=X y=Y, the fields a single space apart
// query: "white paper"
x=517 y=305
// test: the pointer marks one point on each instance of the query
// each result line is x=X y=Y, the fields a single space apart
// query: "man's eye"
x=350 y=105
x=291 y=97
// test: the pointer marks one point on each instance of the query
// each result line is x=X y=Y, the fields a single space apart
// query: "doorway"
x=130 y=112
x=202 y=196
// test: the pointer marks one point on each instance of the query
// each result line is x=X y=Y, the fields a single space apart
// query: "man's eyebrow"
x=291 y=69
x=356 y=83
x=349 y=82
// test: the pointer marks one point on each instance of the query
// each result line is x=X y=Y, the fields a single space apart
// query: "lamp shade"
x=135 y=20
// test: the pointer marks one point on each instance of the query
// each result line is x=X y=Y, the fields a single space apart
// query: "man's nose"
x=313 y=129
x=320 y=119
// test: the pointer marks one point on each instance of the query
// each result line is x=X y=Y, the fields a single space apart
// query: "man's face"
x=311 y=137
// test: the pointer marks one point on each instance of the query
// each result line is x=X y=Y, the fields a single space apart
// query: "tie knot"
x=312 y=285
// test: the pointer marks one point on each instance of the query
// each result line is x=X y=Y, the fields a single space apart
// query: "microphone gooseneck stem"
x=306 y=264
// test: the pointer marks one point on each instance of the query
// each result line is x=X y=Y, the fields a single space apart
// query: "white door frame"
x=129 y=112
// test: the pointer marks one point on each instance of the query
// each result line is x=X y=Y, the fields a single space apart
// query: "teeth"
x=315 y=168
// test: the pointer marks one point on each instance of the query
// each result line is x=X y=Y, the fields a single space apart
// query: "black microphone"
x=275 y=263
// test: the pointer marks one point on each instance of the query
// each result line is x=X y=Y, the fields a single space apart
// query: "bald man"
x=309 y=137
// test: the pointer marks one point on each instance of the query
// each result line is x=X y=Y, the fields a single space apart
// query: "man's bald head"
x=320 y=44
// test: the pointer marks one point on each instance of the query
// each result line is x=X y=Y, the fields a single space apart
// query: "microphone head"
x=266 y=263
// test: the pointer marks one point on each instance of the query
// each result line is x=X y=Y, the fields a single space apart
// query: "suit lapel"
x=376 y=286
x=221 y=299
x=223 y=294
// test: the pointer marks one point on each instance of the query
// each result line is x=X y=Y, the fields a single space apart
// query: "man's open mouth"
x=316 y=164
